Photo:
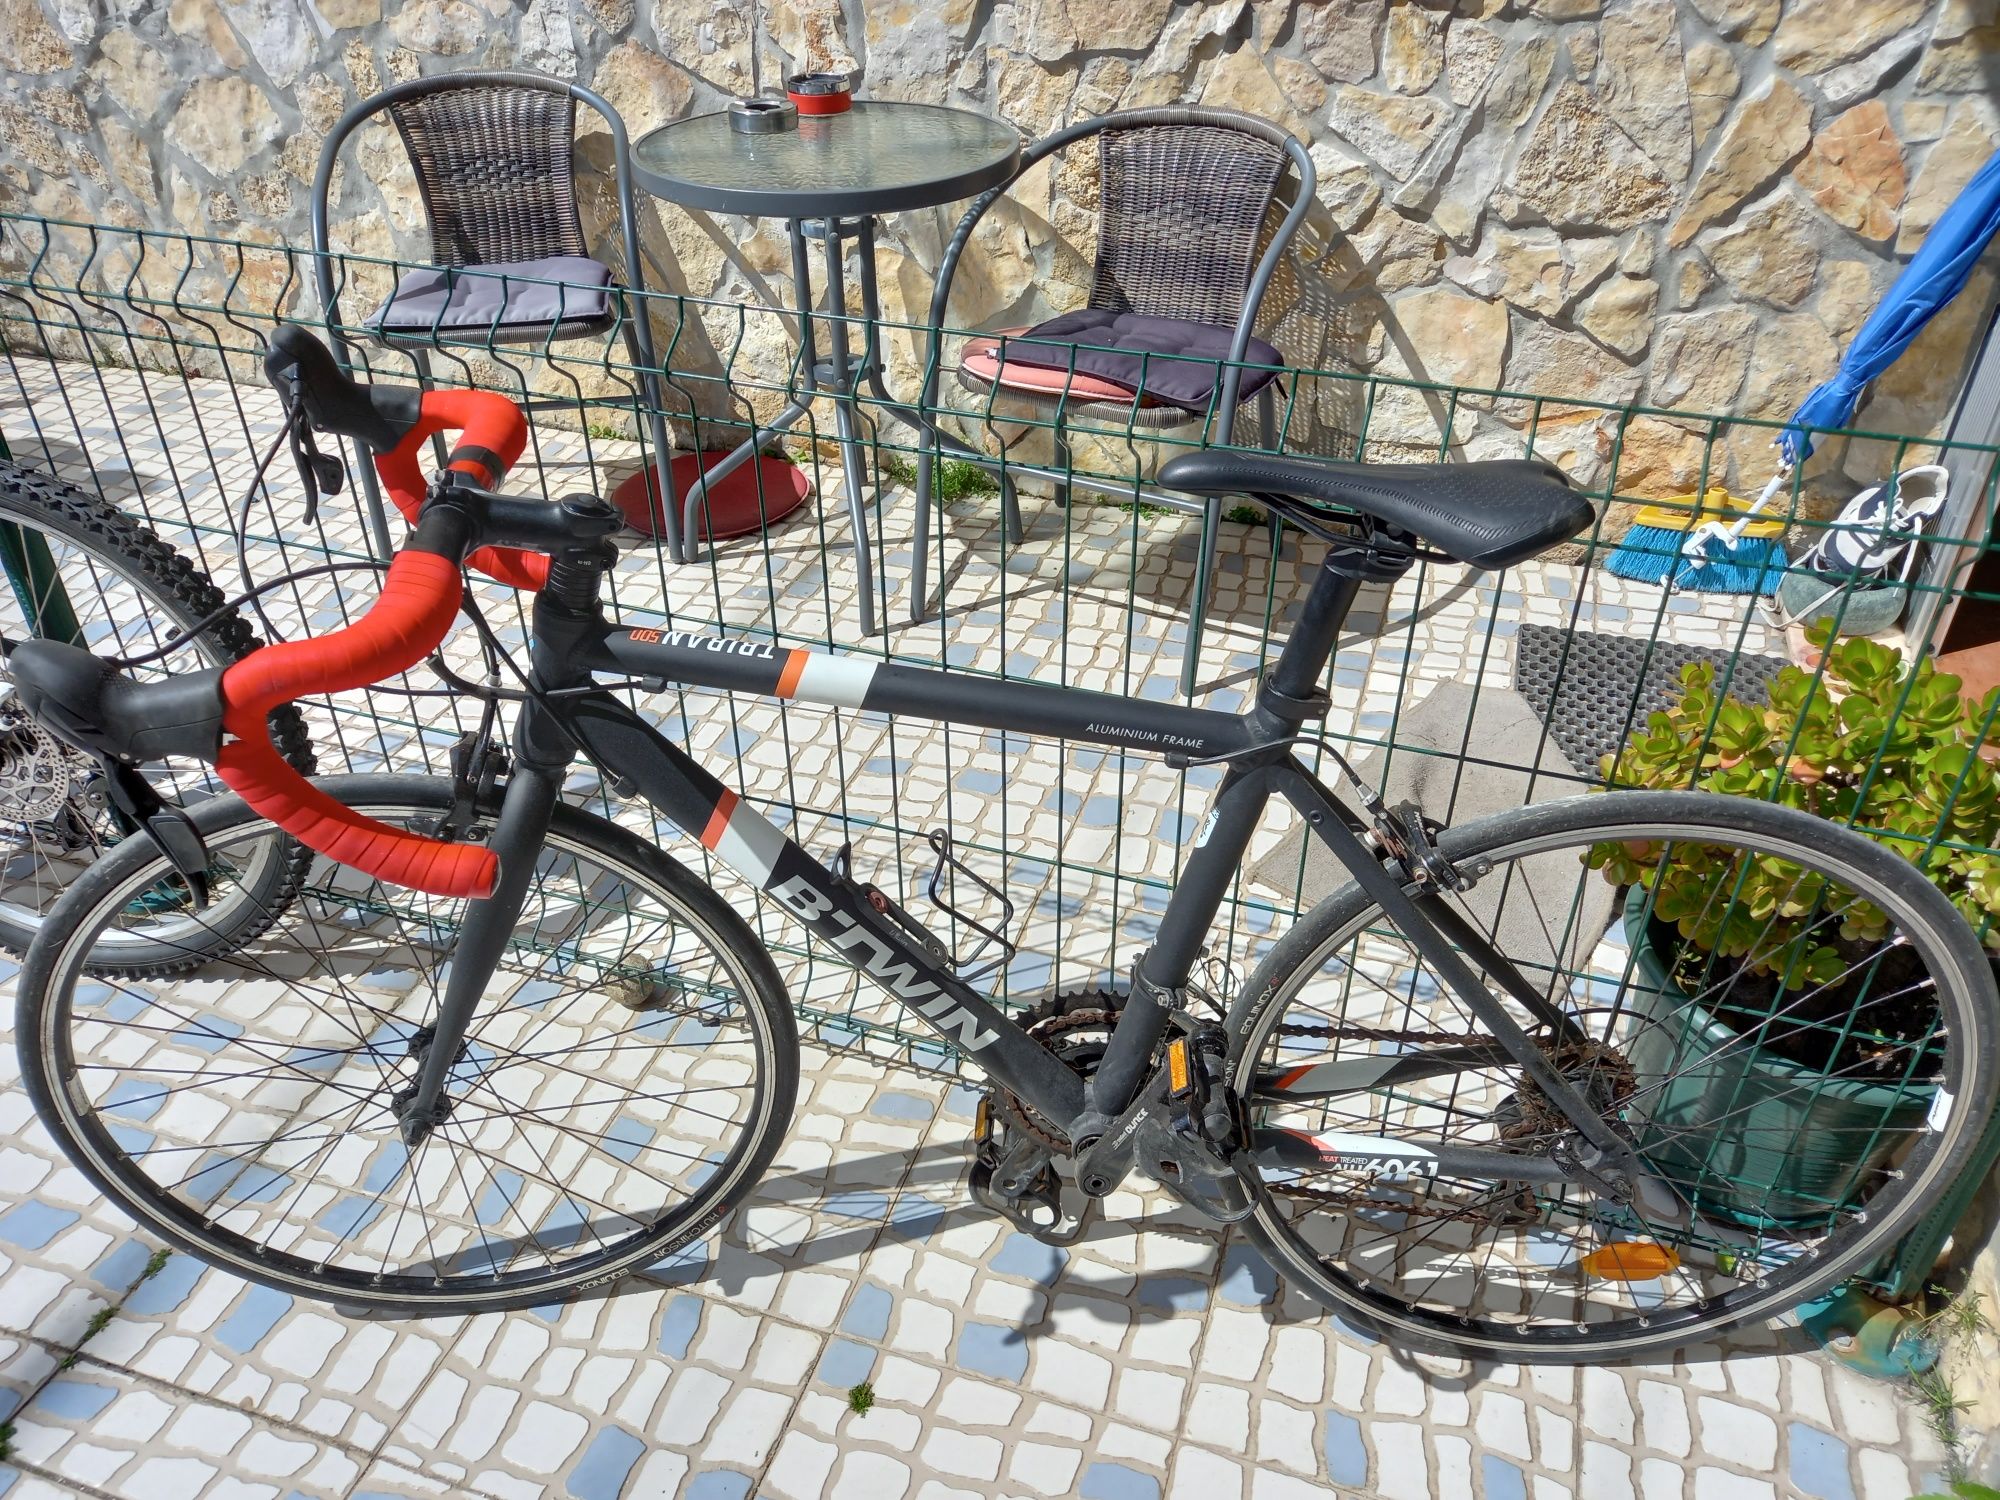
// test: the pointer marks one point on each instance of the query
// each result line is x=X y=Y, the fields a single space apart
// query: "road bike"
x=496 y=1050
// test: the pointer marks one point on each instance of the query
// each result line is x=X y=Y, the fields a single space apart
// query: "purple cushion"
x=501 y=299
x=1176 y=361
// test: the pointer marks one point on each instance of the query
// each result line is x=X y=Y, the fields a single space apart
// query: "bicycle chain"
x=1539 y=1114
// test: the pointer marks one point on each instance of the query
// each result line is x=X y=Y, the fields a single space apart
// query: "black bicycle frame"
x=574 y=645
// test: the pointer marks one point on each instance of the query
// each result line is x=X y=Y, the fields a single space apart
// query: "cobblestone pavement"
x=1155 y=1358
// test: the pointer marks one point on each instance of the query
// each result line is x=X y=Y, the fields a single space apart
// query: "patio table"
x=829 y=179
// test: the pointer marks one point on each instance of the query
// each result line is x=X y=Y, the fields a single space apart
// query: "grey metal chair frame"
x=630 y=315
x=1223 y=412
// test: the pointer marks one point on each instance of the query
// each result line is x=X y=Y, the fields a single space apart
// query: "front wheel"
x=1789 y=1022
x=624 y=1083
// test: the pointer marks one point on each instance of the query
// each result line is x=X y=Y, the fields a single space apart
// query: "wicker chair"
x=492 y=157
x=1194 y=218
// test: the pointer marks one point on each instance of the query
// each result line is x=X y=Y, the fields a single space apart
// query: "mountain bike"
x=80 y=571
x=498 y=1050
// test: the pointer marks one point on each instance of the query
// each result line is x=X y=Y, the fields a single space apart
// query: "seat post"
x=1290 y=694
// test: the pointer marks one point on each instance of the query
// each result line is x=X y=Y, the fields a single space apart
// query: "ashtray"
x=762 y=114
x=820 y=93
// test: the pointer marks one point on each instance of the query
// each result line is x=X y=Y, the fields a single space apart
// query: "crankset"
x=1183 y=1131
x=1015 y=1146
x=1015 y=1176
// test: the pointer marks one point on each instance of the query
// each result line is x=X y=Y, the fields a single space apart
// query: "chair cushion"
x=982 y=362
x=1172 y=361
x=503 y=299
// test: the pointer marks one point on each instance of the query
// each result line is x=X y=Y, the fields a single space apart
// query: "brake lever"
x=172 y=831
x=320 y=473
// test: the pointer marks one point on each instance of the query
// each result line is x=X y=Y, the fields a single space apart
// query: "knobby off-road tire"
x=129 y=591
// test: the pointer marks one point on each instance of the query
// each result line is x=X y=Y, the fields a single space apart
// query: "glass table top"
x=881 y=156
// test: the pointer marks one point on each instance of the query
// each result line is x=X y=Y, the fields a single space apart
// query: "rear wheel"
x=624 y=1083
x=1791 y=1131
x=79 y=570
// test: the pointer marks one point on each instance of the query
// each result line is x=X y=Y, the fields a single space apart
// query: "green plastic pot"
x=1743 y=1134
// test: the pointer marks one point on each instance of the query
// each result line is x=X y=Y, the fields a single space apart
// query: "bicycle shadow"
x=843 y=1213
x=859 y=1206
x=36 y=449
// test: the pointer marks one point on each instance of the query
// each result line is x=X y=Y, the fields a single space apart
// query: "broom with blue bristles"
x=1709 y=543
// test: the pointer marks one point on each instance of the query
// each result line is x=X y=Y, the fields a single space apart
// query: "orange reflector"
x=1635 y=1260
x=1177 y=1064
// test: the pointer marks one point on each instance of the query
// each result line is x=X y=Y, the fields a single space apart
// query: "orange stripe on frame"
x=794 y=669
x=719 y=819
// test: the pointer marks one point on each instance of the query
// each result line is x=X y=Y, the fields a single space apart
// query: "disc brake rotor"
x=36 y=770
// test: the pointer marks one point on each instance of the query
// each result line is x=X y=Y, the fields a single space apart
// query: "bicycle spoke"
x=1519 y=1265
x=573 y=1131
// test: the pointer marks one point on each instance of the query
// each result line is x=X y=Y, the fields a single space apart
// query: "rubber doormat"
x=1601 y=677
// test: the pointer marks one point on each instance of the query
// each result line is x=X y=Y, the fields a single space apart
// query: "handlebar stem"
x=520 y=521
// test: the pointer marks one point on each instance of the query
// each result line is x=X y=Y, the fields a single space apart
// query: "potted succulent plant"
x=1774 y=1078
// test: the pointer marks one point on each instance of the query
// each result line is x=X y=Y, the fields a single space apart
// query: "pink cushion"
x=981 y=361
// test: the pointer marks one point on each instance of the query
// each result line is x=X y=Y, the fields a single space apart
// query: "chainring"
x=1075 y=1026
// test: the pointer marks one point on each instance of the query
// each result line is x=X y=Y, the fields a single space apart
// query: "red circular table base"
x=733 y=506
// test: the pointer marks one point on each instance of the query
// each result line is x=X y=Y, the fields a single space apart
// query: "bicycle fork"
x=544 y=753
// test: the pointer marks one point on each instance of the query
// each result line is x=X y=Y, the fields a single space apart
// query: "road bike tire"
x=1404 y=1251
x=127 y=591
x=572 y=1154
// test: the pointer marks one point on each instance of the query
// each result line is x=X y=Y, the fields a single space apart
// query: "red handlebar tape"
x=492 y=432
x=419 y=600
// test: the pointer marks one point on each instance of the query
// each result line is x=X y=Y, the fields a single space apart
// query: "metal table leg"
x=841 y=378
x=843 y=384
x=799 y=405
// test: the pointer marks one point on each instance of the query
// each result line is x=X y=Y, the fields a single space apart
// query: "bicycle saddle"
x=1490 y=514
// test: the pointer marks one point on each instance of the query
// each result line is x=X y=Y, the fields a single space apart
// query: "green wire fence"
x=132 y=368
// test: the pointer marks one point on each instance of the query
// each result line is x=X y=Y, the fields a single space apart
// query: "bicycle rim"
x=1769 y=1179
x=245 y=1110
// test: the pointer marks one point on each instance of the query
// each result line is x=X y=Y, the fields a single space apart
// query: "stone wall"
x=1685 y=203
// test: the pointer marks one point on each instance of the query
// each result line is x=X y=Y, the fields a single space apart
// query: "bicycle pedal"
x=1191 y=1154
x=1036 y=1212
x=1225 y=1196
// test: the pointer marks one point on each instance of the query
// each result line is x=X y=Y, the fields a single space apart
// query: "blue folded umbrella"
x=1935 y=274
